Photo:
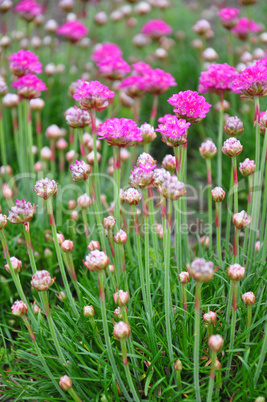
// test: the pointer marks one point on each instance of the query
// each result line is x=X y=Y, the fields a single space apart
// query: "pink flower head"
x=189 y=105
x=77 y=118
x=104 y=50
x=22 y=212
x=72 y=30
x=244 y=27
x=93 y=95
x=142 y=68
x=252 y=81
x=28 y=9
x=156 y=28
x=29 y=86
x=218 y=78
x=80 y=171
x=158 y=81
x=173 y=131
x=113 y=68
x=228 y=17
x=24 y=62
x=134 y=86
x=74 y=85
x=142 y=176
x=120 y=132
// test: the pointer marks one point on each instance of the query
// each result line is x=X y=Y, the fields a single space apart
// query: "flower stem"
x=154 y=110
x=250 y=190
x=127 y=370
x=59 y=256
x=29 y=247
x=2 y=143
x=229 y=212
x=151 y=211
x=209 y=178
x=235 y=183
x=232 y=333
x=236 y=247
x=218 y=231
x=197 y=340
x=262 y=357
x=219 y=155
x=106 y=335
x=74 y=395
x=147 y=267
x=212 y=375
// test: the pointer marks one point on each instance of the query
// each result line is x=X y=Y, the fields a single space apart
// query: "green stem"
x=147 y=267
x=261 y=357
x=218 y=231
x=236 y=247
x=197 y=340
x=2 y=143
x=52 y=327
x=219 y=154
x=74 y=395
x=29 y=247
x=212 y=374
x=229 y=212
x=29 y=135
x=233 y=323
x=249 y=318
x=235 y=183
x=59 y=256
x=208 y=163
x=154 y=110
x=250 y=190
x=127 y=370
x=106 y=335
x=151 y=211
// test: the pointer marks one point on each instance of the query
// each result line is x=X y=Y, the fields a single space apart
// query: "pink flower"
x=114 y=68
x=218 y=77
x=252 y=81
x=22 y=212
x=189 y=105
x=228 y=13
x=142 y=176
x=134 y=86
x=104 y=50
x=29 y=86
x=173 y=131
x=72 y=30
x=77 y=118
x=120 y=132
x=158 y=81
x=244 y=27
x=142 y=68
x=93 y=95
x=156 y=28
x=24 y=62
x=28 y=9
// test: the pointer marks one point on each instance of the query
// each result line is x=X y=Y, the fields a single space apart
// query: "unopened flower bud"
x=178 y=365
x=215 y=343
x=84 y=201
x=236 y=272
x=233 y=126
x=93 y=245
x=210 y=317
x=3 y=221
x=201 y=270
x=148 y=133
x=241 y=220
x=80 y=171
x=45 y=188
x=15 y=263
x=218 y=194
x=70 y=155
x=120 y=237
x=19 y=308
x=184 y=277
x=74 y=216
x=249 y=298
x=109 y=222
x=247 y=167
x=208 y=149
x=47 y=253
x=60 y=238
x=121 y=330
x=232 y=147
x=121 y=298
x=96 y=261
x=71 y=204
x=118 y=313
x=67 y=246
x=65 y=383
x=88 y=311
x=46 y=153
x=205 y=241
x=218 y=365
x=169 y=163
x=257 y=246
x=42 y=280
x=209 y=54
x=22 y=212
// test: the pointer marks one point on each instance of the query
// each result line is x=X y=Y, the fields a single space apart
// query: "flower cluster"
x=80 y=171
x=156 y=28
x=113 y=68
x=77 y=118
x=189 y=105
x=142 y=176
x=134 y=86
x=93 y=95
x=245 y=26
x=96 y=261
x=24 y=62
x=45 y=188
x=72 y=30
x=42 y=280
x=172 y=188
x=173 y=131
x=28 y=9
x=228 y=17
x=29 y=86
x=247 y=167
x=232 y=147
x=120 y=132
x=22 y=212
x=104 y=50
x=252 y=81
x=201 y=270
x=218 y=78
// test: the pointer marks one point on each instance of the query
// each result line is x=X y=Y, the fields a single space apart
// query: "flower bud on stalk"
x=249 y=299
x=178 y=368
x=183 y=279
x=210 y=319
x=66 y=384
x=20 y=309
x=233 y=126
x=215 y=343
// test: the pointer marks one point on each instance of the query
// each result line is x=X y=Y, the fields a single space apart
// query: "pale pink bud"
x=124 y=154
x=84 y=201
x=247 y=167
x=218 y=365
x=205 y=241
x=184 y=277
x=222 y=106
x=257 y=246
x=120 y=237
x=132 y=196
x=210 y=317
x=7 y=191
x=96 y=261
x=109 y=222
x=218 y=194
x=121 y=330
x=101 y=18
x=51 y=26
x=15 y=263
x=208 y=149
x=91 y=158
x=74 y=216
x=53 y=132
x=42 y=280
x=10 y=101
x=201 y=270
x=93 y=245
x=60 y=238
x=61 y=296
x=148 y=133
x=70 y=156
x=46 y=153
x=111 y=268
x=201 y=27
x=236 y=272
x=65 y=383
x=118 y=313
x=169 y=163
x=71 y=204
x=45 y=188
x=210 y=54
x=47 y=253
x=67 y=246
x=232 y=147
x=36 y=309
x=159 y=230
x=215 y=343
x=80 y=171
x=249 y=298
x=241 y=220
x=233 y=126
x=88 y=311
x=19 y=308
x=38 y=166
x=61 y=144
x=121 y=298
